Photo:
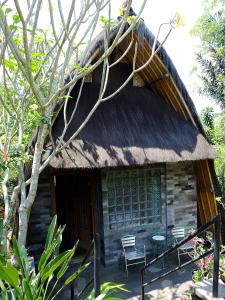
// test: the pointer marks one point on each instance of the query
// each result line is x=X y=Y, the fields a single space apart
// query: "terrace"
x=177 y=286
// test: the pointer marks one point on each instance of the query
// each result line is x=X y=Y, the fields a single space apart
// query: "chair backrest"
x=178 y=233
x=128 y=241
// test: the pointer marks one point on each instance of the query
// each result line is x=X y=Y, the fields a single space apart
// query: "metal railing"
x=92 y=256
x=216 y=224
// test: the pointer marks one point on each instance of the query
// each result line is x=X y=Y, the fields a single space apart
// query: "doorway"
x=74 y=206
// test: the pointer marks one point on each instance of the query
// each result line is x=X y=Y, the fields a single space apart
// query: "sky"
x=180 y=46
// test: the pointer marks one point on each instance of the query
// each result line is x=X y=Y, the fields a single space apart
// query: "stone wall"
x=40 y=218
x=178 y=199
x=181 y=195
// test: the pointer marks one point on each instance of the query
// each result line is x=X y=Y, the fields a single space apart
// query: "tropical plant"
x=211 y=55
x=107 y=289
x=209 y=29
x=207 y=116
x=22 y=282
x=214 y=125
x=204 y=265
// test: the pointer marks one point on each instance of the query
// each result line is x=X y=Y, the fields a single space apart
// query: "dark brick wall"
x=177 y=185
x=178 y=196
x=181 y=195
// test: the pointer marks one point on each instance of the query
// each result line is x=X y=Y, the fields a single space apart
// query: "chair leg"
x=120 y=264
x=178 y=254
x=126 y=268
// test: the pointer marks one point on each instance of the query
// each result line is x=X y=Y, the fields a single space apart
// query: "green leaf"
x=21 y=257
x=16 y=18
x=17 y=252
x=65 y=265
x=34 y=67
x=11 y=65
x=8 y=10
x=55 y=263
x=51 y=232
x=39 y=39
x=13 y=27
x=51 y=249
x=14 y=294
x=62 y=270
x=17 y=40
x=10 y=275
x=5 y=295
x=27 y=290
x=75 y=274
x=109 y=287
x=38 y=54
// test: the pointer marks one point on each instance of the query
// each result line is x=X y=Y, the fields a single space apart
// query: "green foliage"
x=204 y=265
x=110 y=23
x=197 y=276
x=19 y=109
x=207 y=117
x=22 y=283
x=107 y=23
x=107 y=289
x=214 y=125
x=210 y=29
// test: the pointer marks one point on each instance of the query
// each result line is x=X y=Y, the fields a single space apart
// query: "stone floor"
x=204 y=290
x=177 y=286
x=174 y=287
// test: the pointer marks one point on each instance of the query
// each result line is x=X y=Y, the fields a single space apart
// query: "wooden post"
x=97 y=264
x=217 y=234
x=72 y=291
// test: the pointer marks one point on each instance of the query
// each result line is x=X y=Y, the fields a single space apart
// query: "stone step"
x=169 y=291
x=204 y=290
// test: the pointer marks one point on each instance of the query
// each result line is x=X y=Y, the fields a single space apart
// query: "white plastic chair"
x=132 y=255
x=178 y=234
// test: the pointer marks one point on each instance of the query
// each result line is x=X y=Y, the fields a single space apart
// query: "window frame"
x=146 y=201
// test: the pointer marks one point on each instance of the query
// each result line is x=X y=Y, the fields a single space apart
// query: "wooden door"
x=74 y=208
x=82 y=216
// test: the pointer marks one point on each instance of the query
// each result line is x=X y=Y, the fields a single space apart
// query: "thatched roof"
x=153 y=124
x=137 y=127
x=161 y=74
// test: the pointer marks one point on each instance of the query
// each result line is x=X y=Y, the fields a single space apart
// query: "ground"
x=177 y=286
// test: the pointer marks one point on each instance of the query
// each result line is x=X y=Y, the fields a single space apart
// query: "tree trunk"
x=23 y=224
x=5 y=234
x=27 y=202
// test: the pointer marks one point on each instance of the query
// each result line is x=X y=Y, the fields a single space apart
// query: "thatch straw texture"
x=172 y=88
x=137 y=127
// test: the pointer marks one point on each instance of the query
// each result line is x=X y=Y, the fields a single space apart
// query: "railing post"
x=97 y=264
x=142 y=285
x=72 y=291
x=217 y=229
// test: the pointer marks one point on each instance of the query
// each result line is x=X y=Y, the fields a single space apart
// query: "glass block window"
x=134 y=197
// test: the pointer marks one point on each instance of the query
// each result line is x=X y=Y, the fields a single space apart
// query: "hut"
x=141 y=165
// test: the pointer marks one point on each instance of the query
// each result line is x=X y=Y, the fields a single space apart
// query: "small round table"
x=160 y=246
x=158 y=238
